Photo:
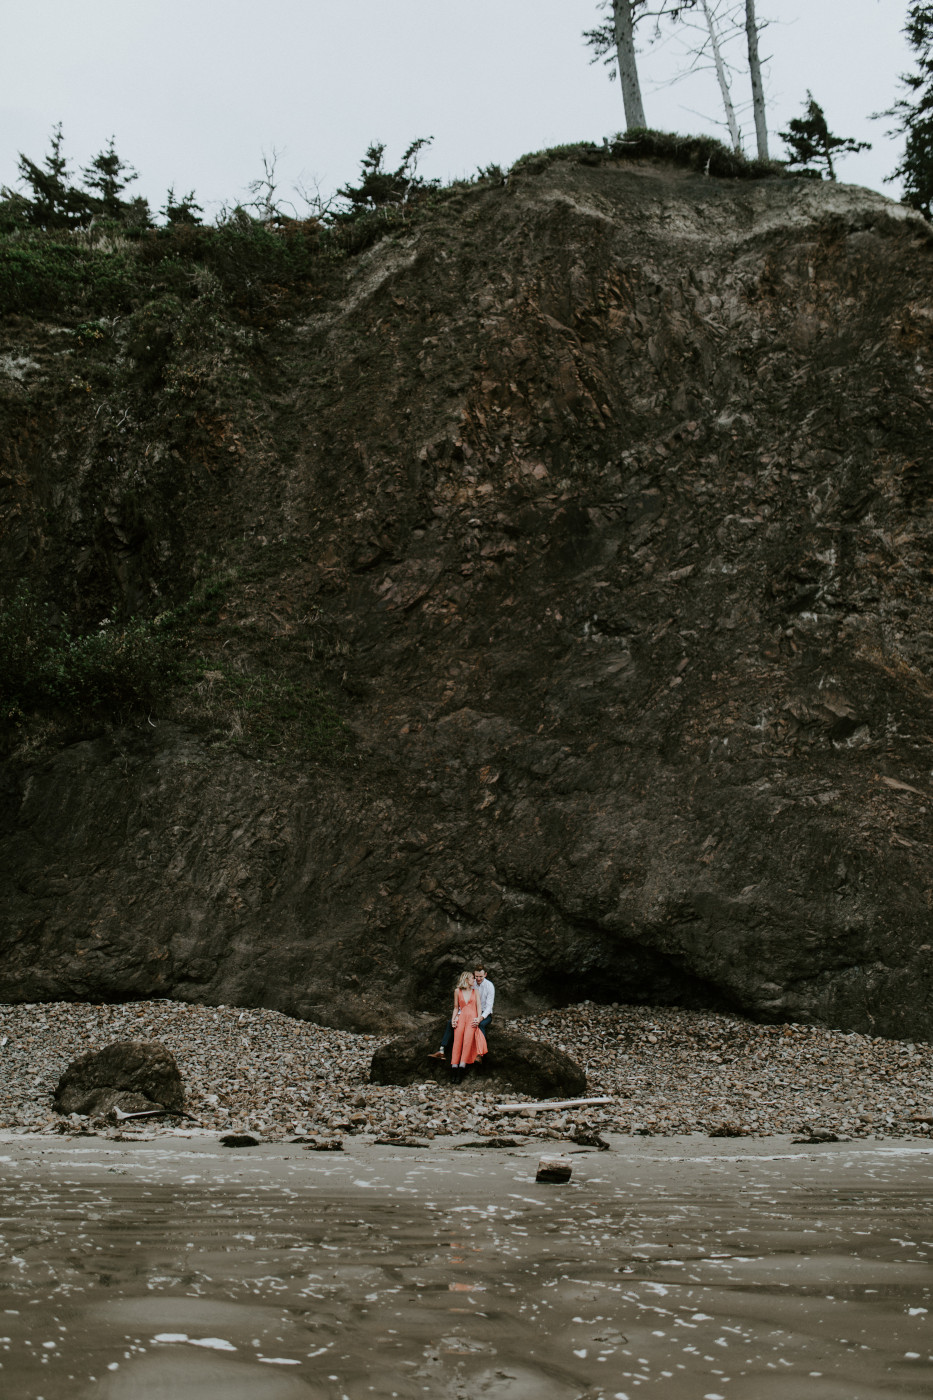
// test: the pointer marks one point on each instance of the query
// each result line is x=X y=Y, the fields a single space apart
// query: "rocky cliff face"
x=600 y=506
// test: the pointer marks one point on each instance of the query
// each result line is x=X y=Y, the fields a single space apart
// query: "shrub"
x=248 y=256
x=46 y=668
x=52 y=273
x=261 y=709
x=28 y=635
x=37 y=275
x=118 y=667
x=702 y=153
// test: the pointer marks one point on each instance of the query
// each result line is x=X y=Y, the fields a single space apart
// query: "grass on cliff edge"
x=57 y=684
x=259 y=268
x=703 y=154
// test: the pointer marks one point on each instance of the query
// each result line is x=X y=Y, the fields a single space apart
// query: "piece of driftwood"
x=553 y=1169
x=407 y=1141
x=590 y=1140
x=491 y=1142
x=542 y=1104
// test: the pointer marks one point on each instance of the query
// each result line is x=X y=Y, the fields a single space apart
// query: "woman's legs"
x=457 y=1067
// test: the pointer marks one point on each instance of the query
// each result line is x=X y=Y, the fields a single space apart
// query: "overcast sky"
x=196 y=90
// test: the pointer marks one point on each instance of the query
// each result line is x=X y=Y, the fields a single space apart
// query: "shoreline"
x=714 y=1269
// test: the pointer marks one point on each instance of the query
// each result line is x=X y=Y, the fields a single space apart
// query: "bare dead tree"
x=623 y=30
x=308 y=190
x=722 y=76
x=264 y=190
x=758 y=92
x=614 y=42
x=709 y=38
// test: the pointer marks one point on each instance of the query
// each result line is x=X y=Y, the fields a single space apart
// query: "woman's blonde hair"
x=464 y=981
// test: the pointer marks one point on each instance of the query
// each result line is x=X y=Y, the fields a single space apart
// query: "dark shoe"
x=436 y=1055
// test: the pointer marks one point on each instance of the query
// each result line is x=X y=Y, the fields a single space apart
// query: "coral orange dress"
x=469 y=1040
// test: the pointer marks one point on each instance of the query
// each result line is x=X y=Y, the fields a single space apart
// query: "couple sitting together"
x=467 y=1027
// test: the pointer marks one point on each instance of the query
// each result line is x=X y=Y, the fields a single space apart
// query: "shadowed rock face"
x=601 y=506
x=514 y=1061
x=132 y=1075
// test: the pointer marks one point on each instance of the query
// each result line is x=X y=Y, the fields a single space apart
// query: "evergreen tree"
x=915 y=113
x=378 y=186
x=54 y=203
x=185 y=210
x=810 y=142
x=106 y=178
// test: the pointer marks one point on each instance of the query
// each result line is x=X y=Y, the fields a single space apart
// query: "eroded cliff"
x=598 y=508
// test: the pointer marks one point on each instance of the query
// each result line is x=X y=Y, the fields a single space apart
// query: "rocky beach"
x=668 y=1071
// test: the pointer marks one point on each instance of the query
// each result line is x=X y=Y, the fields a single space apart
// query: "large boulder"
x=135 y=1076
x=514 y=1061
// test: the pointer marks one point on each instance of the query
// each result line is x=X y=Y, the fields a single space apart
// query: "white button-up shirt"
x=487 y=995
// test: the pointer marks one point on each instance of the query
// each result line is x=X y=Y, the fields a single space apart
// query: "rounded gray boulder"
x=135 y=1076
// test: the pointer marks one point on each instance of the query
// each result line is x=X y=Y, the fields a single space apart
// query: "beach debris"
x=811 y=1135
x=239 y=1140
x=491 y=1142
x=589 y=1140
x=134 y=1076
x=324 y=1145
x=730 y=1130
x=116 y=1115
x=77 y=1128
x=543 y=1105
x=557 y=1169
x=407 y=1140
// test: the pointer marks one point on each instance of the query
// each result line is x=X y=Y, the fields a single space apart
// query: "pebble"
x=669 y=1071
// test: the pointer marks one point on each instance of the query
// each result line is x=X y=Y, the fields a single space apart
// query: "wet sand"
x=683 y=1267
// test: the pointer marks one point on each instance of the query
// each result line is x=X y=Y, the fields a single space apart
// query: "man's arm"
x=489 y=996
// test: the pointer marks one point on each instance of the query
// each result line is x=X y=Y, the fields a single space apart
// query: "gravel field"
x=671 y=1071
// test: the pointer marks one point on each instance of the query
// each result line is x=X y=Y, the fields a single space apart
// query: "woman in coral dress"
x=469 y=1040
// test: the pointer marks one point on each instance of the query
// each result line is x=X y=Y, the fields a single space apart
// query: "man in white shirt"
x=486 y=995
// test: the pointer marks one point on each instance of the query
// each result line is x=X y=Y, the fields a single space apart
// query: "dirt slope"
x=599 y=506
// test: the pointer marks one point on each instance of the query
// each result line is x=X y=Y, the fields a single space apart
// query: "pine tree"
x=106 y=178
x=185 y=210
x=810 y=142
x=54 y=203
x=378 y=186
x=915 y=113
